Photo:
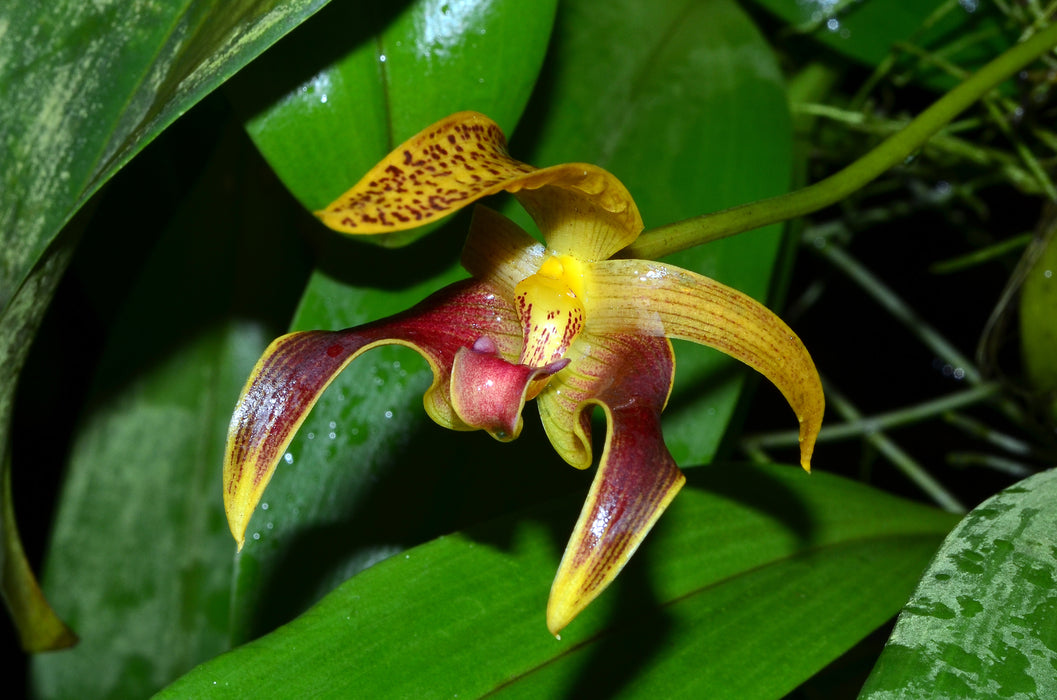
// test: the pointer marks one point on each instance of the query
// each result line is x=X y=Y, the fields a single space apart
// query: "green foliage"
x=795 y=568
x=983 y=620
x=1038 y=300
x=867 y=32
x=351 y=581
x=85 y=86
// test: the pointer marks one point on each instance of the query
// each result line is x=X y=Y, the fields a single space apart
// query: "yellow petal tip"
x=565 y=603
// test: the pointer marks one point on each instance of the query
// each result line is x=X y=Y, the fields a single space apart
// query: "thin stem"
x=882 y=421
x=984 y=432
x=895 y=149
x=898 y=308
x=895 y=454
x=1002 y=465
x=983 y=255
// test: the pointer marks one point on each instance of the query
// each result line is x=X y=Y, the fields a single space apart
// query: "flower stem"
x=688 y=233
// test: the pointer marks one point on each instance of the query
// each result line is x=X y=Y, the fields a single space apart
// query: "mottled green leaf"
x=85 y=85
x=983 y=621
x=756 y=578
x=140 y=560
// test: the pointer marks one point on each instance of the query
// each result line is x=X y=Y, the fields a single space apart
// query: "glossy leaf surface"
x=393 y=72
x=748 y=564
x=983 y=620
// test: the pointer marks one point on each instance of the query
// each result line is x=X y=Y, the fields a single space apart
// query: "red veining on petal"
x=630 y=377
x=296 y=368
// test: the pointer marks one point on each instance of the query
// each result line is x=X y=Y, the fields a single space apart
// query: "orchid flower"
x=564 y=323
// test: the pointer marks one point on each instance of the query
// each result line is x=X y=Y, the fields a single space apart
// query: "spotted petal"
x=581 y=209
x=638 y=296
x=629 y=377
x=296 y=368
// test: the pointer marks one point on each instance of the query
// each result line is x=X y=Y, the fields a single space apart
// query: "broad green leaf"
x=1038 y=333
x=756 y=578
x=330 y=115
x=963 y=33
x=83 y=87
x=684 y=123
x=140 y=561
x=983 y=620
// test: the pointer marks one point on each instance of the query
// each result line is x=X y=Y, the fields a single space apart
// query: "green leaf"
x=323 y=118
x=140 y=559
x=37 y=625
x=84 y=86
x=1038 y=334
x=983 y=620
x=966 y=34
x=665 y=112
x=756 y=578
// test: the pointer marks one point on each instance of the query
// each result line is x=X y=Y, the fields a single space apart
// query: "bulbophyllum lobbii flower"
x=562 y=323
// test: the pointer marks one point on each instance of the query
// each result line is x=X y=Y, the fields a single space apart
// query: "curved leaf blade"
x=84 y=86
x=756 y=578
x=1038 y=334
x=983 y=620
